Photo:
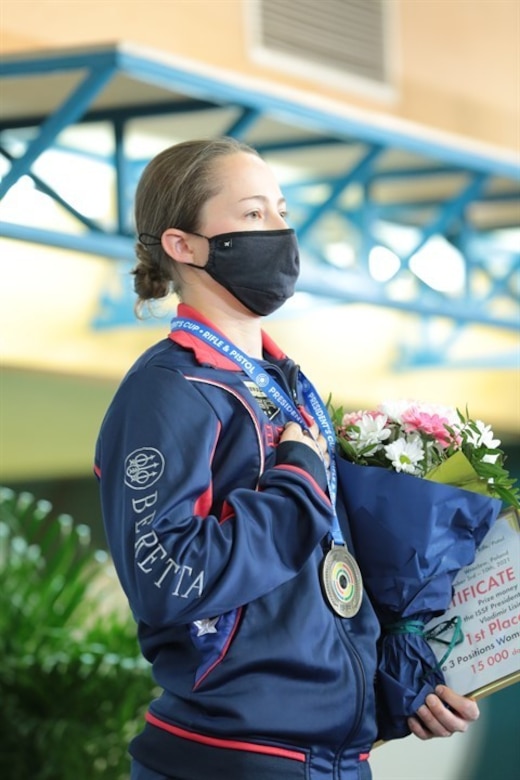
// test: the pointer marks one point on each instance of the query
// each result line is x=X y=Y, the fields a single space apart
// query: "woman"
x=218 y=497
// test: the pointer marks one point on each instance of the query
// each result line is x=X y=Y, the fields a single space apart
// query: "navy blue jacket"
x=218 y=535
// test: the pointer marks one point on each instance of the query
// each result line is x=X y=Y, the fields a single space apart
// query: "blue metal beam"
x=420 y=172
x=357 y=175
x=120 y=167
x=353 y=287
x=299 y=114
x=298 y=144
x=102 y=57
x=72 y=108
x=451 y=210
x=240 y=127
x=432 y=352
x=171 y=77
x=193 y=93
x=410 y=358
x=46 y=190
x=108 y=245
x=130 y=111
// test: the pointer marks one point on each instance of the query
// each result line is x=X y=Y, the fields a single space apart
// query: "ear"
x=176 y=244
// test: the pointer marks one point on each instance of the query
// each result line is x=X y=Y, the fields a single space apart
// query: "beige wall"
x=458 y=61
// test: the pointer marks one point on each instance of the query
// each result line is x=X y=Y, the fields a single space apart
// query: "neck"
x=242 y=328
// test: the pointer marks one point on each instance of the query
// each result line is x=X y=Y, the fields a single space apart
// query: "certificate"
x=485 y=655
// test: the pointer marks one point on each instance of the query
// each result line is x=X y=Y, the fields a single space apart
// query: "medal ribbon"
x=277 y=394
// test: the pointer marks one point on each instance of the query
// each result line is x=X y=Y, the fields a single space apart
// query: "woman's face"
x=249 y=197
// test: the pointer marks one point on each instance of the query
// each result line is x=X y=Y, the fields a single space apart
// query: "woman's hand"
x=312 y=438
x=443 y=713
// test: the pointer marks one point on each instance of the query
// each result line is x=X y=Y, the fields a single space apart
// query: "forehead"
x=244 y=175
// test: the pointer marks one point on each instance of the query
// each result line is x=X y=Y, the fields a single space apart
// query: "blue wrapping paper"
x=411 y=537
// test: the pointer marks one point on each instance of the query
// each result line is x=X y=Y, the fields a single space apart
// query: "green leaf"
x=73 y=685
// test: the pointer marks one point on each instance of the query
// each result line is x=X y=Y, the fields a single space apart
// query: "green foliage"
x=487 y=461
x=73 y=687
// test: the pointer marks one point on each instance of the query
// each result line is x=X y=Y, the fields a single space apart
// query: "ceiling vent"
x=343 y=43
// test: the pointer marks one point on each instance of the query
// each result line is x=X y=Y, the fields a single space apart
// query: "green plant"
x=73 y=686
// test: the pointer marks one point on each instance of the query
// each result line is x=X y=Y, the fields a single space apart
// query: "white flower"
x=372 y=433
x=394 y=410
x=405 y=454
x=491 y=458
x=484 y=437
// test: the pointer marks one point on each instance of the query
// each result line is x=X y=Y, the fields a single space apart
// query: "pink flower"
x=430 y=424
x=351 y=418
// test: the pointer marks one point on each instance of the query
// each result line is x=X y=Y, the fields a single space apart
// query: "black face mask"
x=258 y=267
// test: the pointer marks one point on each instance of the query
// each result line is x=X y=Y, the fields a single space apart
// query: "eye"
x=254 y=214
x=284 y=214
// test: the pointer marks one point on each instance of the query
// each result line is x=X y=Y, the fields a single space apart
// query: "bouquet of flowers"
x=422 y=485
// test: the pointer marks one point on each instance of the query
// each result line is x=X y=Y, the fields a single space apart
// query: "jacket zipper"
x=360 y=674
x=343 y=635
x=349 y=645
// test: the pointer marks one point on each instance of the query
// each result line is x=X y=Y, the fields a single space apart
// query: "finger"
x=292 y=432
x=417 y=728
x=322 y=442
x=439 y=719
x=432 y=718
x=465 y=707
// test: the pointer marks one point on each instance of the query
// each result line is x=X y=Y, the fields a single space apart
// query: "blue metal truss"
x=349 y=177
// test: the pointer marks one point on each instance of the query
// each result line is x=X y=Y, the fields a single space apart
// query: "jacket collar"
x=204 y=352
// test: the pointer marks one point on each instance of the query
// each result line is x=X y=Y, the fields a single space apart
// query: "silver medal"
x=342 y=581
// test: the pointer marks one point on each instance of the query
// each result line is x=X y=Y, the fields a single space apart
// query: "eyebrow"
x=262 y=198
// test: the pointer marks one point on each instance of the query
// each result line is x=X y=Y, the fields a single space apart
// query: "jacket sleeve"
x=176 y=561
